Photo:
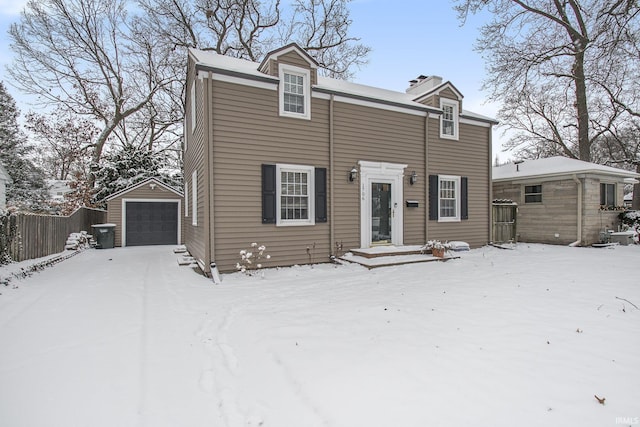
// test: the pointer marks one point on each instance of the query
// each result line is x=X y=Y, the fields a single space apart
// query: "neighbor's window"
x=607 y=194
x=449 y=198
x=295 y=92
x=449 y=119
x=186 y=199
x=295 y=195
x=533 y=193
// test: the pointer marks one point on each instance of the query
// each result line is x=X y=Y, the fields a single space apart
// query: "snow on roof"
x=553 y=166
x=212 y=59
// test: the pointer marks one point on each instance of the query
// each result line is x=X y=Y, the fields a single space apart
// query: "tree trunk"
x=635 y=203
x=582 y=110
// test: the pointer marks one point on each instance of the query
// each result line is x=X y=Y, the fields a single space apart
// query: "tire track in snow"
x=220 y=369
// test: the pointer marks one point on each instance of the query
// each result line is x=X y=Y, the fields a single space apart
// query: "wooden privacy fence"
x=505 y=213
x=27 y=236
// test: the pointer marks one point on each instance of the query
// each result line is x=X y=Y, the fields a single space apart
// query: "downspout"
x=426 y=178
x=490 y=204
x=332 y=231
x=579 y=211
x=213 y=269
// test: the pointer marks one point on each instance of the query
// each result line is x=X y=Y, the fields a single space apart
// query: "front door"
x=381 y=216
x=381 y=213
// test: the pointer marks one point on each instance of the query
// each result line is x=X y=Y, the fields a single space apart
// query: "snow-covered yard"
x=126 y=337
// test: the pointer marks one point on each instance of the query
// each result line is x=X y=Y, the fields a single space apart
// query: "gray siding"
x=244 y=130
x=194 y=159
x=114 y=206
x=249 y=132
x=470 y=156
x=365 y=133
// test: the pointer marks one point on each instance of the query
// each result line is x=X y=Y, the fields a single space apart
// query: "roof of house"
x=554 y=166
x=4 y=175
x=142 y=183
x=217 y=62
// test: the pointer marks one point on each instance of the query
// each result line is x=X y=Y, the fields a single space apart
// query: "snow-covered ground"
x=126 y=337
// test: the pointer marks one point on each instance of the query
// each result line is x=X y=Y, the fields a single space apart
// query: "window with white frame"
x=533 y=193
x=194 y=198
x=295 y=203
x=186 y=199
x=295 y=91
x=449 y=119
x=607 y=194
x=448 y=198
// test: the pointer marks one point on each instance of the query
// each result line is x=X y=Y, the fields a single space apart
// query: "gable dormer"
x=297 y=72
x=291 y=55
x=431 y=91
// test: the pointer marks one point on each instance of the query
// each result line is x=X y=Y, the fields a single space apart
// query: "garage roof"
x=141 y=184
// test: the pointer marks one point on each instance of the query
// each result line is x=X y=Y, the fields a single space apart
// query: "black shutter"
x=464 y=201
x=433 y=197
x=268 y=194
x=321 y=194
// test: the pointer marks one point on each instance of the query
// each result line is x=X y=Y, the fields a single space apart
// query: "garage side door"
x=151 y=223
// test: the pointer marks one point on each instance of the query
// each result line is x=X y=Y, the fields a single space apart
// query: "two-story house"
x=279 y=155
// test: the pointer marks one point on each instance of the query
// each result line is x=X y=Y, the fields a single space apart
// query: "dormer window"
x=295 y=91
x=449 y=119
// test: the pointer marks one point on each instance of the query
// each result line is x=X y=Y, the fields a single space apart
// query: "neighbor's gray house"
x=276 y=154
x=4 y=180
x=562 y=200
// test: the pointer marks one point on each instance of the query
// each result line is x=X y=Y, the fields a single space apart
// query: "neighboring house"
x=311 y=166
x=146 y=213
x=58 y=188
x=4 y=180
x=562 y=200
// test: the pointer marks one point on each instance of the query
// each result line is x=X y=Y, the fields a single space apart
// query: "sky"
x=407 y=38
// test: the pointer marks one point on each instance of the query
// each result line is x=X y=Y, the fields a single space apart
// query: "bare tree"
x=86 y=56
x=250 y=28
x=551 y=63
x=64 y=143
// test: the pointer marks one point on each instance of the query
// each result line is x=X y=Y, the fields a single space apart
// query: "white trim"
x=293 y=48
x=306 y=75
x=194 y=198
x=389 y=173
x=194 y=106
x=472 y=122
x=186 y=200
x=379 y=105
x=310 y=193
x=246 y=81
x=141 y=184
x=456 y=119
x=458 y=181
x=123 y=219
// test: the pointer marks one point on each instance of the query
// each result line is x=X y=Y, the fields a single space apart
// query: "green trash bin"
x=105 y=235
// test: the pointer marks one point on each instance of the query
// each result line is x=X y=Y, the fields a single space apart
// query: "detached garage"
x=147 y=213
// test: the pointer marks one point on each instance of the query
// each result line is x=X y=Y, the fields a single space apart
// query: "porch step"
x=387 y=250
x=387 y=256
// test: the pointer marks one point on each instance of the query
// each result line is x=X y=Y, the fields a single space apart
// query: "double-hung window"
x=533 y=193
x=607 y=195
x=295 y=198
x=295 y=92
x=449 y=119
x=448 y=198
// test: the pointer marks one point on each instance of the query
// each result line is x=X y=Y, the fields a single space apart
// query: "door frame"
x=388 y=173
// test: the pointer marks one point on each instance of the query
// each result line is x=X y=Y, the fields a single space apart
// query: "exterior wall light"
x=353 y=174
x=413 y=178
